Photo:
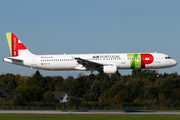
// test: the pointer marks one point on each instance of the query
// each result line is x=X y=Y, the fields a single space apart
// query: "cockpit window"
x=168 y=58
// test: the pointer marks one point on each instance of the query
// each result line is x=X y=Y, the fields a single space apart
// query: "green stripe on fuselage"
x=135 y=60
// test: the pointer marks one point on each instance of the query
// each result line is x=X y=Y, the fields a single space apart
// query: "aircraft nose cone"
x=174 y=62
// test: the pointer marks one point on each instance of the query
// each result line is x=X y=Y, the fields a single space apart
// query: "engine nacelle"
x=110 y=69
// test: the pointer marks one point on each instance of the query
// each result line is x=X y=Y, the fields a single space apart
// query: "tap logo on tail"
x=14 y=44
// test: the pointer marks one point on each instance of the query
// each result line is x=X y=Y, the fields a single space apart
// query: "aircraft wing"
x=88 y=64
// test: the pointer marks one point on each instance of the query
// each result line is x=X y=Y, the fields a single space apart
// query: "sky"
x=90 y=26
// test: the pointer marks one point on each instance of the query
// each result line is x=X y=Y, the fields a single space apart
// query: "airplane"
x=107 y=63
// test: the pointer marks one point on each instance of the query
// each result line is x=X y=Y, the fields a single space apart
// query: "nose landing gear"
x=157 y=73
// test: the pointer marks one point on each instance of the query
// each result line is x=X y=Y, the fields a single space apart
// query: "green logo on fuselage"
x=135 y=60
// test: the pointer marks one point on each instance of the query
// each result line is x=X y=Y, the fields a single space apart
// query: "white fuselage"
x=121 y=61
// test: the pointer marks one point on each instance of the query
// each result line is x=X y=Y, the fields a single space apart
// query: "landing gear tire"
x=157 y=73
x=91 y=76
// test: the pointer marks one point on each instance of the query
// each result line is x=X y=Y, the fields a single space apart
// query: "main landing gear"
x=91 y=76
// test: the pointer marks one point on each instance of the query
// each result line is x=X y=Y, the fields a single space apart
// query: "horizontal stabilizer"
x=15 y=58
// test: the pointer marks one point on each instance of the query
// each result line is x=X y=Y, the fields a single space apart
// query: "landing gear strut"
x=157 y=73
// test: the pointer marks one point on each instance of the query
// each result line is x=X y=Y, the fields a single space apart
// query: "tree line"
x=141 y=88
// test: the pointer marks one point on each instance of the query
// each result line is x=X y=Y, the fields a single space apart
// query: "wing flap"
x=87 y=62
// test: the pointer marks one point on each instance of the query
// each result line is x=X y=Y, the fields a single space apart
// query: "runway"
x=87 y=112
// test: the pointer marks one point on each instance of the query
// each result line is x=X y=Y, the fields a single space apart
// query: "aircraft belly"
x=58 y=66
x=156 y=65
x=66 y=66
x=124 y=66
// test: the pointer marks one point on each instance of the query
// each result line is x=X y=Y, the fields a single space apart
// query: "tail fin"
x=16 y=48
